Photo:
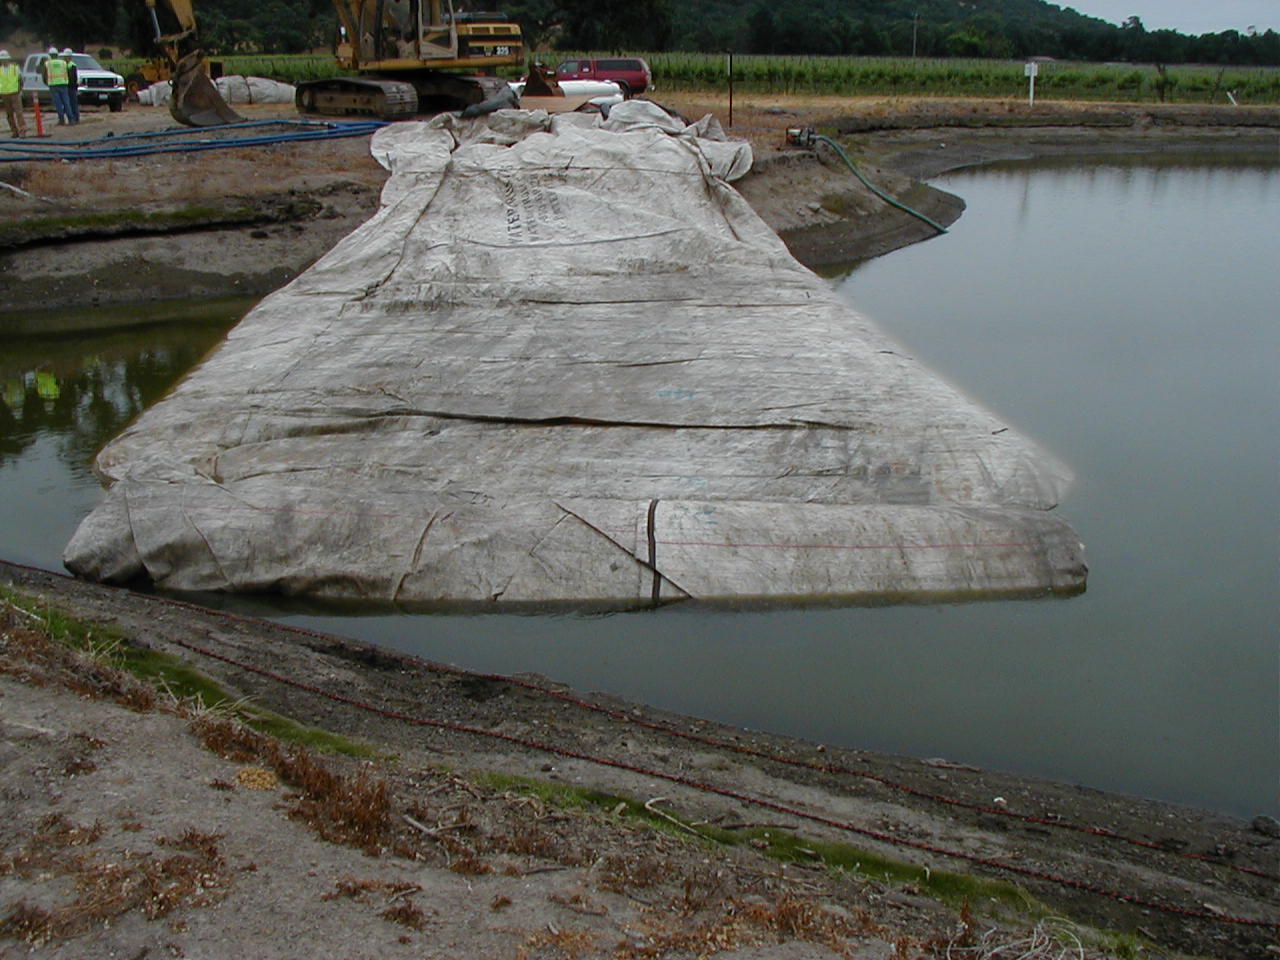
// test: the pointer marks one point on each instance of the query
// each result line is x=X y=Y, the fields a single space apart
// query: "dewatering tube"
x=139 y=144
x=872 y=187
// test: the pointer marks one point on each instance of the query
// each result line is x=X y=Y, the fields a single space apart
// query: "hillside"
x=942 y=28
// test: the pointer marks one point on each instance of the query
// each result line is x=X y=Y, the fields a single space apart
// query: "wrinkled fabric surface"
x=232 y=89
x=565 y=361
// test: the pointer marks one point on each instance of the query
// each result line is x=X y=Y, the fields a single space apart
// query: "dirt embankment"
x=511 y=817
x=244 y=221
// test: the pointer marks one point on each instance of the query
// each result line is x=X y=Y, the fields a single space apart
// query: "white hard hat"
x=53 y=51
x=67 y=51
x=4 y=55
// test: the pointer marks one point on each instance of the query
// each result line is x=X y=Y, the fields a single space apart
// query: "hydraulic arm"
x=195 y=101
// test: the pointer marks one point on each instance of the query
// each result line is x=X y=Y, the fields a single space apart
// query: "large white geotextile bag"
x=240 y=89
x=233 y=89
x=565 y=361
x=157 y=94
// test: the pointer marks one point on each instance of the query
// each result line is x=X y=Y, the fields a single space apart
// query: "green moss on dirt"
x=131 y=222
x=175 y=676
x=956 y=890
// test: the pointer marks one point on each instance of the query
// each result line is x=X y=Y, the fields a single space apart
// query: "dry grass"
x=352 y=810
x=60 y=180
x=107 y=886
x=194 y=178
x=736 y=923
x=1050 y=939
x=31 y=655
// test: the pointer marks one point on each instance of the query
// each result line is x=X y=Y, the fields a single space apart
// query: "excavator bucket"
x=542 y=82
x=196 y=101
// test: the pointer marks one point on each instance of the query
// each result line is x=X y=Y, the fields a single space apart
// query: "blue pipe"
x=133 y=145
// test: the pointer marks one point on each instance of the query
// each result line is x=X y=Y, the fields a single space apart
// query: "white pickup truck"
x=97 y=85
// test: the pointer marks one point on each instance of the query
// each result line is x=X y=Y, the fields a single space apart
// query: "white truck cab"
x=97 y=85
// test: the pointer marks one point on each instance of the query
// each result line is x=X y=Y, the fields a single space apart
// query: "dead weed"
x=736 y=923
x=108 y=886
x=352 y=889
x=407 y=915
x=351 y=810
x=397 y=893
x=31 y=655
x=556 y=944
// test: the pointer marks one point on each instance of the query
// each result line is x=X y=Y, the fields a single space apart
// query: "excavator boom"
x=196 y=102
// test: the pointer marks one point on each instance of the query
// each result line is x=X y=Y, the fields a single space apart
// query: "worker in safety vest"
x=73 y=84
x=57 y=75
x=11 y=94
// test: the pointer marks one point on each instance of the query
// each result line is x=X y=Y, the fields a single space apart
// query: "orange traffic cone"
x=39 y=119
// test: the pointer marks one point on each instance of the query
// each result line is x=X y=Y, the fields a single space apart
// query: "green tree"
x=869 y=40
x=1166 y=46
x=762 y=31
x=965 y=43
x=1133 y=38
x=10 y=18
x=615 y=24
x=72 y=23
x=536 y=19
x=280 y=30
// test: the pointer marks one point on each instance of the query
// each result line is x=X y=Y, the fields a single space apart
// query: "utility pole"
x=729 y=65
x=915 y=28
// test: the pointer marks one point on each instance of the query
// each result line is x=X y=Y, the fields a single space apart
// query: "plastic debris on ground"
x=565 y=361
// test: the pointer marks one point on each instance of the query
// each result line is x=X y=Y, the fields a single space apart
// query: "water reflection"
x=64 y=394
x=85 y=398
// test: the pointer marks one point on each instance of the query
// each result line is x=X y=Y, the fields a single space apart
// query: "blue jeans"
x=61 y=94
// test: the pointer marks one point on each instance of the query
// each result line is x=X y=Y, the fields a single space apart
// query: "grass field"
x=877 y=76
x=881 y=76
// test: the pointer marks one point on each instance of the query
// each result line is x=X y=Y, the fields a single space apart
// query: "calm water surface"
x=1124 y=315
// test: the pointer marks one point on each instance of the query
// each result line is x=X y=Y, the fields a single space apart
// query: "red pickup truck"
x=630 y=73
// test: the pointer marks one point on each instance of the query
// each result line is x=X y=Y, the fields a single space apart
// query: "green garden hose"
x=872 y=187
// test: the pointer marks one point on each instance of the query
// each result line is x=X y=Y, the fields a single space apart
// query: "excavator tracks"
x=357 y=96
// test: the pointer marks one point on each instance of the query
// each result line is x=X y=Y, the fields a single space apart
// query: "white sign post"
x=1031 y=70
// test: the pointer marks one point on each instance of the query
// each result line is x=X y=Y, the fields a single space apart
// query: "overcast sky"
x=1186 y=16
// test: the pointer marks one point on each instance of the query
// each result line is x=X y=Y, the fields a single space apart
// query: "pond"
x=1121 y=313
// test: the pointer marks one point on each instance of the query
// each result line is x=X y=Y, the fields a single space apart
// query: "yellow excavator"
x=409 y=54
x=195 y=101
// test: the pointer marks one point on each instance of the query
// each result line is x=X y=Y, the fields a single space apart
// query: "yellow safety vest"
x=10 y=78
x=57 y=71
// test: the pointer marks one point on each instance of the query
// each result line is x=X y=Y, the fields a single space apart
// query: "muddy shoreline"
x=1080 y=851
x=1166 y=880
